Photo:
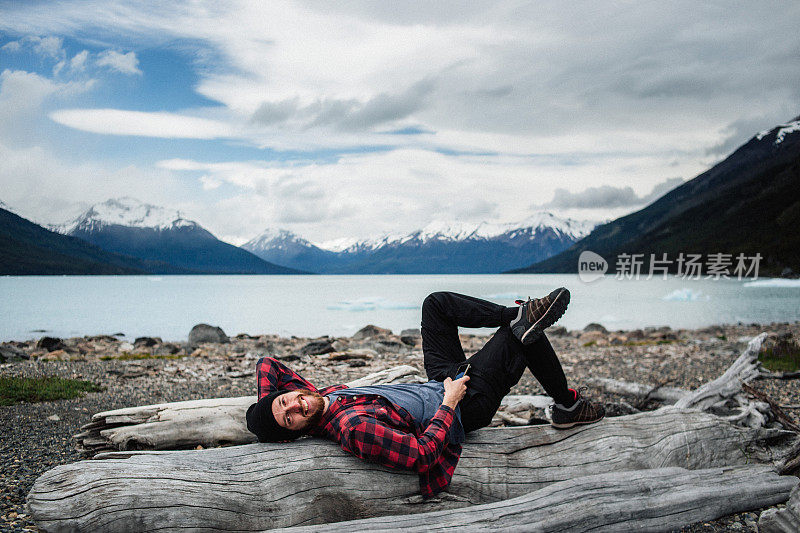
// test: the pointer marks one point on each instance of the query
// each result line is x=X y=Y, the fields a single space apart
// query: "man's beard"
x=316 y=406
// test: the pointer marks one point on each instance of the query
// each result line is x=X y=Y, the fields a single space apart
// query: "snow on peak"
x=274 y=237
x=786 y=129
x=459 y=231
x=486 y=230
x=782 y=131
x=126 y=211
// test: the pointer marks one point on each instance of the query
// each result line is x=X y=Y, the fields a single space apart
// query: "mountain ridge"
x=151 y=233
x=438 y=247
x=30 y=249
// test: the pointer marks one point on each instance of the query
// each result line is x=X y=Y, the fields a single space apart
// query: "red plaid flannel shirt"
x=372 y=428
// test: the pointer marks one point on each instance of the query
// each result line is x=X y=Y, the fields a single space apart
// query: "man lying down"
x=421 y=427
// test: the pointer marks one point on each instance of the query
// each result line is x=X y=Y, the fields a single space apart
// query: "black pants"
x=496 y=367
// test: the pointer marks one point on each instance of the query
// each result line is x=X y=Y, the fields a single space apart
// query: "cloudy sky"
x=350 y=119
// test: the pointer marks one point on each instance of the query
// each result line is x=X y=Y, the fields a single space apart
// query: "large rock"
x=147 y=342
x=50 y=344
x=9 y=352
x=594 y=326
x=411 y=337
x=318 y=346
x=370 y=331
x=205 y=333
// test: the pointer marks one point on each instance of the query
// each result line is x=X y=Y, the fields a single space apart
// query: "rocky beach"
x=146 y=370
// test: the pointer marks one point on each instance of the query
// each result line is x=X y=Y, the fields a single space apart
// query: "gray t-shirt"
x=421 y=400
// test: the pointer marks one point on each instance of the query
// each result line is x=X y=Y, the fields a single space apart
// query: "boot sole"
x=559 y=306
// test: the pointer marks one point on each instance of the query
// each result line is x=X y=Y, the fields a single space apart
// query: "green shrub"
x=19 y=389
x=779 y=360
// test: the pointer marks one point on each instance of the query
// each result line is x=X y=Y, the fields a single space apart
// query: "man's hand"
x=454 y=391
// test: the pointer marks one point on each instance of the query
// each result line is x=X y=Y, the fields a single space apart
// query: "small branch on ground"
x=766 y=374
x=782 y=417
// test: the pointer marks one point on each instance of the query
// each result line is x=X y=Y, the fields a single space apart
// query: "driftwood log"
x=261 y=486
x=723 y=396
x=786 y=520
x=180 y=425
x=643 y=500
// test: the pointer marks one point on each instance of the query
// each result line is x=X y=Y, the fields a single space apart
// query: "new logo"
x=591 y=266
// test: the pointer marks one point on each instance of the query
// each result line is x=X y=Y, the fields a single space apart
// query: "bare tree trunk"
x=261 y=486
x=643 y=500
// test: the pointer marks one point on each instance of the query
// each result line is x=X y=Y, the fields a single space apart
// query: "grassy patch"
x=136 y=356
x=781 y=360
x=18 y=389
x=590 y=343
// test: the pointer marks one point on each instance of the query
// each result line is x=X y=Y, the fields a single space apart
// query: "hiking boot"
x=537 y=314
x=581 y=412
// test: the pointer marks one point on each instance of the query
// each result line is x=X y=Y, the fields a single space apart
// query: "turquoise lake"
x=168 y=306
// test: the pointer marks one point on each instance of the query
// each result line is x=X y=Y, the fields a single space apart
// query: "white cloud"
x=47 y=188
x=124 y=63
x=12 y=46
x=367 y=194
x=139 y=123
x=49 y=47
x=78 y=61
x=22 y=95
x=209 y=183
x=542 y=94
x=524 y=72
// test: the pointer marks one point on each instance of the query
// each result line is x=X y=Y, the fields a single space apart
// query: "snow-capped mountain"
x=283 y=247
x=130 y=227
x=440 y=230
x=125 y=211
x=439 y=247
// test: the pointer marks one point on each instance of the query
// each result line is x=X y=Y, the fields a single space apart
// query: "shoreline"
x=38 y=436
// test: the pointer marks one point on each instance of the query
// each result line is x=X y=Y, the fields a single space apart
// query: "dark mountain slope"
x=27 y=248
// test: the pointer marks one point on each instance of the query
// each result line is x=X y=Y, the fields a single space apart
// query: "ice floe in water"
x=686 y=295
x=773 y=282
x=369 y=304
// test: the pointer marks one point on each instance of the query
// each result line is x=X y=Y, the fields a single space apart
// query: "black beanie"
x=261 y=421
